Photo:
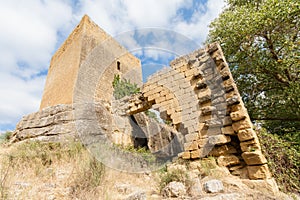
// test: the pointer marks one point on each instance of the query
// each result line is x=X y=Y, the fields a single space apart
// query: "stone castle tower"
x=66 y=62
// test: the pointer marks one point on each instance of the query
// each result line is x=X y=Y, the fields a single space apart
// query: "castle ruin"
x=197 y=94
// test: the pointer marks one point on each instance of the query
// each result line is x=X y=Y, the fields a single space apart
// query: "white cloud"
x=197 y=27
x=27 y=40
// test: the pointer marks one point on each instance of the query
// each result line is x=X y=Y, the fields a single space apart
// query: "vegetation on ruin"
x=142 y=151
x=123 y=87
x=261 y=41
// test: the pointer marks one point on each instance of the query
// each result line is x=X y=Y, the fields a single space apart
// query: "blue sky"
x=32 y=30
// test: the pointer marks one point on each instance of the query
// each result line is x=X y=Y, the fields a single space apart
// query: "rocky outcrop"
x=50 y=124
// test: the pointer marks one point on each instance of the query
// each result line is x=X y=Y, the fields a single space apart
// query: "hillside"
x=35 y=170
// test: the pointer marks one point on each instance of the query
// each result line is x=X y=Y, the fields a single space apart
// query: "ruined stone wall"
x=199 y=95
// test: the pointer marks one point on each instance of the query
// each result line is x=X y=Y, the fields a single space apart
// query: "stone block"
x=228 y=160
x=238 y=115
x=246 y=134
x=186 y=155
x=173 y=189
x=250 y=145
x=202 y=142
x=201 y=84
x=196 y=154
x=204 y=96
x=160 y=99
x=259 y=172
x=213 y=186
x=191 y=72
x=227 y=121
x=225 y=73
x=242 y=124
x=218 y=139
x=228 y=130
x=153 y=96
x=213 y=123
x=207 y=110
x=228 y=85
x=177 y=120
x=254 y=158
x=191 y=146
x=231 y=94
x=233 y=100
x=191 y=137
x=237 y=107
x=213 y=131
x=222 y=150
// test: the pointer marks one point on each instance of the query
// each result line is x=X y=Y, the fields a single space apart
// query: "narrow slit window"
x=118 y=65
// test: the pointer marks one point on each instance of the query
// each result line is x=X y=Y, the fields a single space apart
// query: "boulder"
x=213 y=186
x=174 y=189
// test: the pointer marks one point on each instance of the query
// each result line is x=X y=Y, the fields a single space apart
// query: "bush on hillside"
x=283 y=157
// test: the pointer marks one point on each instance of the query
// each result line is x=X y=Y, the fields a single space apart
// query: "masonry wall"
x=201 y=98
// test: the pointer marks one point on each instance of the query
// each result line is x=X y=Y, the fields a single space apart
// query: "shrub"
x=143 y=152
x=284 y=160
x=151 y=114
x=123 y=88
x=5 y=137
x=178 y=175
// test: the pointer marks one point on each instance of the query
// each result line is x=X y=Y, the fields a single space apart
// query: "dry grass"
x=38 y=170
x=35 y=170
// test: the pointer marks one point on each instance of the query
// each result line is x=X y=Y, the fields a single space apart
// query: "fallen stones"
x=213 y=186
x=174 y=189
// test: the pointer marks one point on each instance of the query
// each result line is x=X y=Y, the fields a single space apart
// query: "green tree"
x=261 y=42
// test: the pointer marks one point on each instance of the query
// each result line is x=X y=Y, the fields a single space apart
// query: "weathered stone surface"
x=64 y=66
x=174 y=189
x=222 y=150
x=213 y=186
x=242 y=124
x=137 y=195
x=228 y=160
x=228 y=130
x=186 y=155
x=259 y=172
x=227 y=121
x=161 y=139
x=196 y=154
x=238 y=115
x=218 y=139
x=195 y=190
x=56 y=121
x=191 y=137
x=191 y=146
x=254 y=158
x=246 y=134
x=250 y=145
x=231 y=196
